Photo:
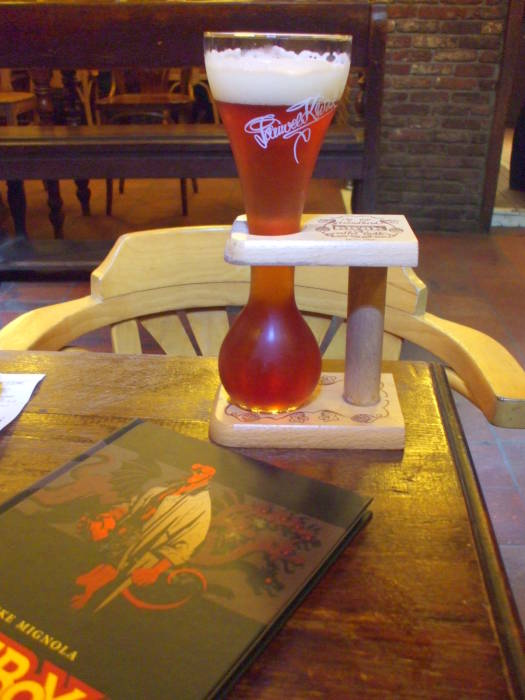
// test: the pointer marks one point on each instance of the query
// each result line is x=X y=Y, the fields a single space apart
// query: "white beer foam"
x=274 y=76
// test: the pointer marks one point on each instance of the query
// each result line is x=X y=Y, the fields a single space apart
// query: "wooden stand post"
x=364 y=334
x=357 y=409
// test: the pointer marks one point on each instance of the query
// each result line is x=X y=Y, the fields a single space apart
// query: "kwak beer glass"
x=276 y=95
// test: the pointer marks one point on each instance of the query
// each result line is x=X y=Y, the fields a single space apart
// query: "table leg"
x=42 y=87
x=364 y=339
x=54 y=200
x=16 y=199
x=83 y=196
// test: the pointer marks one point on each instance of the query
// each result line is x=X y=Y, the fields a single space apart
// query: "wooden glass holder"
x=358 y=408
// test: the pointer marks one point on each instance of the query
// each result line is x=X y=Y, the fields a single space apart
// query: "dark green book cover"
x=157 y=566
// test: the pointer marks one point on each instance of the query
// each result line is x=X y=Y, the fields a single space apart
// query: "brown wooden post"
x=364 y=339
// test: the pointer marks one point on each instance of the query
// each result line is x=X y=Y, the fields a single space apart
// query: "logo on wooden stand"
x=357 y=226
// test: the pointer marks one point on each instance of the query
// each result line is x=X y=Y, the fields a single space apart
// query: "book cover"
x=157 y=566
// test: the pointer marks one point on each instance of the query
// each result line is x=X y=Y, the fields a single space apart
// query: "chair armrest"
x=486 y=371
x=50 y=327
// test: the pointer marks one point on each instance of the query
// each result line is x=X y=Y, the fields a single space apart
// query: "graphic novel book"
x=157 y=566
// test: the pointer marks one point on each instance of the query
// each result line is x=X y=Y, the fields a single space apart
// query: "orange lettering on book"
x=20 y=677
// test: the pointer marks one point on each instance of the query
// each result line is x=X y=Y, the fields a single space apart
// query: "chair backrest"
x=175 y=284
x=151 y=80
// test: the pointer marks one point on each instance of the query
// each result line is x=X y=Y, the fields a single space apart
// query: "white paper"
x=15 y=392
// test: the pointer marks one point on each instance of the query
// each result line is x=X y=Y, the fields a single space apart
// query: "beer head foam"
x=271 y=75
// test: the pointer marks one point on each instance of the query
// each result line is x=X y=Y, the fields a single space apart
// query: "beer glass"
x=276 y=95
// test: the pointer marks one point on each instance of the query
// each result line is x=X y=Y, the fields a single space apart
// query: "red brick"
x=453 y=83
x=409 y=82
x=389 y=198
x=493 y=12
x=399 y=41
x=442 y=12
x=479 y=137
x=465 y=2
x=488 y=56
x=409 y=55
x=492 y=28
x=417 y=26
x=485 y=41
x=391 y=173
x=397 y=68
x=429 y=198
x=468 y=98
x=432 y=69
x=475 y=152
x=470 y=177
x=475 y=70
x=438 y=186
x=438 y=115
x=395 y=97
x=408 y=135
x=405 y=108
x=456 y=55
x=462 y=27
x=434 y=96
x=462 y=123
x=434 y=41
x=393 y=122
x=484 y=109
x=397 y=10
x=460 y=109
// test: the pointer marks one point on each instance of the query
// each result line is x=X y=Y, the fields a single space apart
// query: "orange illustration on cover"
x=160 y=530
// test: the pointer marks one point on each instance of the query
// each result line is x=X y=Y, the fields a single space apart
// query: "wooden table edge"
x=505 y=616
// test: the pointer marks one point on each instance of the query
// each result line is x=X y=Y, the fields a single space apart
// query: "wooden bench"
x=45 y=36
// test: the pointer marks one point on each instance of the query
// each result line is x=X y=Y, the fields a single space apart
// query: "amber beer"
x=276 y=96
x=275 y=151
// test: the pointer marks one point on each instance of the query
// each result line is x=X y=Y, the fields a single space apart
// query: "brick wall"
x=439 y=97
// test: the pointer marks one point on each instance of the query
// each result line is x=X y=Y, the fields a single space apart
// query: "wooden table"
x=417 y=607
x=48 y=35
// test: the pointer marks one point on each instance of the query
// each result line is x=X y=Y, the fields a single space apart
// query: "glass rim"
x=278 y=35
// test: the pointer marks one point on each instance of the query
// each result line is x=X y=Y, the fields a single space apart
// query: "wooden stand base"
x=327 y=421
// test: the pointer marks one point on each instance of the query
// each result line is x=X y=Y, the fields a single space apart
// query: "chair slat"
x=337 y=347
x=125 y=338
x=391 y=346
x=210 y=327
x=170 y=334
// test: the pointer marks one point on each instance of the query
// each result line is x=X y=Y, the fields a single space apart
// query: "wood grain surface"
x=106 y=34
x=405 y=612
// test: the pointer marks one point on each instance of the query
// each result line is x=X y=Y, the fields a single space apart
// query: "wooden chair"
x=145 y=96
x=13 y=104
x=177 y=283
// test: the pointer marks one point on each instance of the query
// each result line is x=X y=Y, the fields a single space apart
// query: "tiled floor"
x=473 y=279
